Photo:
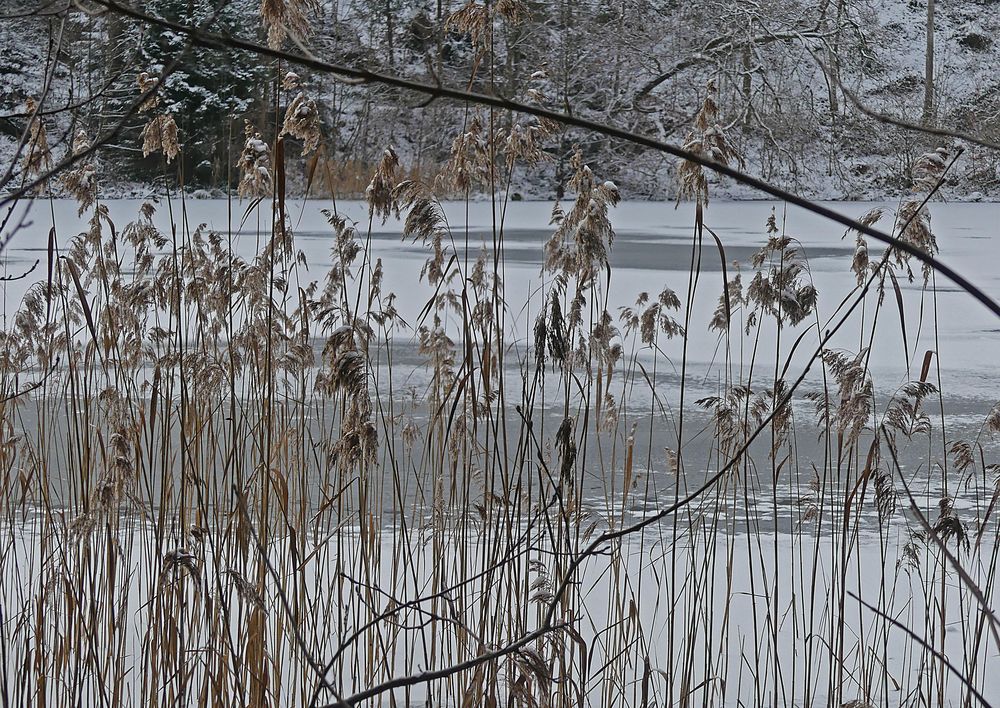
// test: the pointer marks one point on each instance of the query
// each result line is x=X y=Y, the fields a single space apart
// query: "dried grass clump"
x=81 y=181
x=439 y=348
x=246 y=590
x=380 y=191
x=301 y=117
x=512 y=11
x=345 y=374
x=178 y=563
x=860 y=261
x=551 y=333
x=147 y=85
x=650 y=319
x=469 y=164
x=851 y=416
x=949 y=526
x=284 y=18
x=992 y=421
x=426 y=222
x=909 y=557
x=472 y=19
x=929 y=169
x=255 y=165
x=476 y=19
x=917 y=233
x=784 y=289
x=730 y=301
x=566 y=447
x=927 y=173
x=118 y=476
x=963 y=455
x=160 y=132
x=160 y=135
x=886 y=497
x=523 y=142
x=708 y=140
x=905 y=415
x=37 y=159
x=735 y=414
x=583 y=236
x=782 y=418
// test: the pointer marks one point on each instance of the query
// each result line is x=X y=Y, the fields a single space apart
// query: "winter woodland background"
x=447 y=446
x=798 y=82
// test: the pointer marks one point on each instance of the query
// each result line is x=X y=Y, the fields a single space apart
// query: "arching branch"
x=717 y=48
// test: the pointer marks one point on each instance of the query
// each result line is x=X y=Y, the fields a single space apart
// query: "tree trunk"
x=929 y=67
x=833 y=60
x=390 y=34
x=747 y=86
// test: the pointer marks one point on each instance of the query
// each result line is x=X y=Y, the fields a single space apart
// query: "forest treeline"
x=799 y=84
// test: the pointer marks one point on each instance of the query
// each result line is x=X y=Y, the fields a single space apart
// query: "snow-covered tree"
x=212 y=90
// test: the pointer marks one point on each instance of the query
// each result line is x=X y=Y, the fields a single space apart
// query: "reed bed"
x=229 y=479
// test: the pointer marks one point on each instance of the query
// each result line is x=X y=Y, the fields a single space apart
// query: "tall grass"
x=232 y=480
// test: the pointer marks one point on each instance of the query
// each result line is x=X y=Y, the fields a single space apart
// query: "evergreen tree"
x=213 y=89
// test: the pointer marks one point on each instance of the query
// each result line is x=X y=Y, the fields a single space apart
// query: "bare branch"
x=717 y=48
x=899 y=122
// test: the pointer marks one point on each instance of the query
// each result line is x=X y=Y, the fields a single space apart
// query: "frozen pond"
x=652 y=250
